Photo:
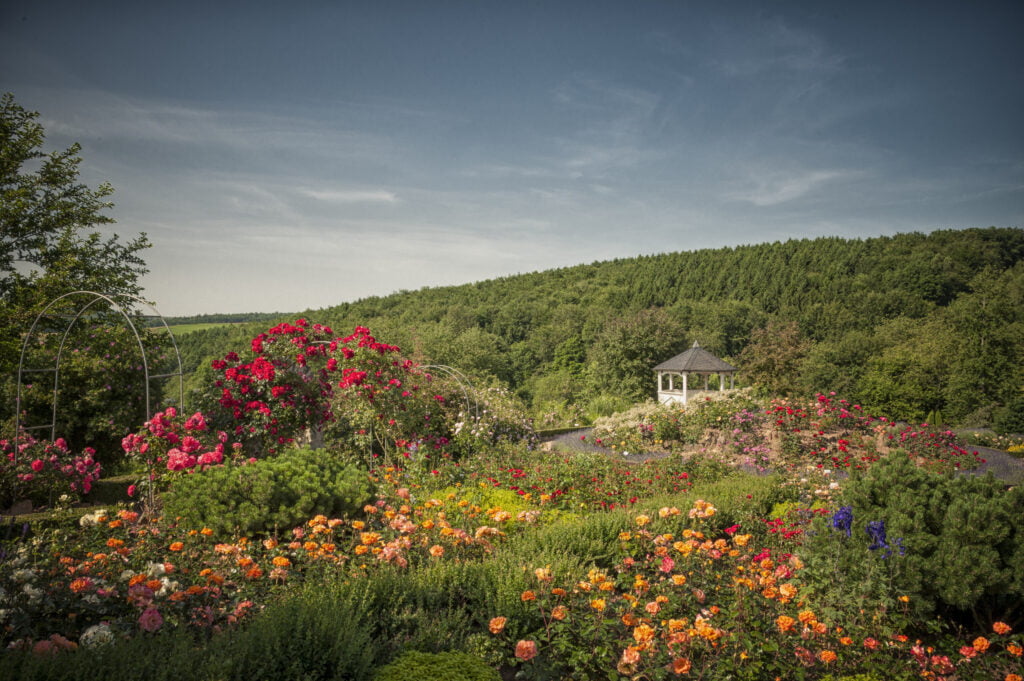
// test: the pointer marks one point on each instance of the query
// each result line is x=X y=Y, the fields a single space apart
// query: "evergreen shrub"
x=268 y=494
x=952 y=544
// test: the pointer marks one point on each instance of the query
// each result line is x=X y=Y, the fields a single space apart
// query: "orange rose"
x=526 y=650
x=497 y=624
x=177 y=546
x=681 y=665
x=630 y=656
x=643 y=633
x=1001 y=628
x=560 y=612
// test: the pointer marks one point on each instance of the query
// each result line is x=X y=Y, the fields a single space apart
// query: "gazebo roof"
x=696 y=359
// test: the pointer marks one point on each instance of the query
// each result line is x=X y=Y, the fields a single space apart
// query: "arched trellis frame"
x=463 y=382
x=91 y=299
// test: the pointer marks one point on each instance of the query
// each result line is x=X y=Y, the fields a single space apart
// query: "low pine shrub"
x=447 y=666
x=925 y=542
x=259 y=496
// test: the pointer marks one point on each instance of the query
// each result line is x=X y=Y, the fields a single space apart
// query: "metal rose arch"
x=462 y=380
x=90 y=299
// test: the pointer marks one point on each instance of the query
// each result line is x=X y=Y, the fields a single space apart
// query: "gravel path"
x=1005 y=467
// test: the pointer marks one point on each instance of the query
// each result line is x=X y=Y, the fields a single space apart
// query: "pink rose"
x=150 y=620
x=37 y=466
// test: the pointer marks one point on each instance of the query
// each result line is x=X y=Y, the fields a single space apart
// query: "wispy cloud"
x=778 y=45
x=351 y=195
x=774 y=188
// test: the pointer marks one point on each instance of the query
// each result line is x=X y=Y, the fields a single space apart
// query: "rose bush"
x=172 y=444
x=41 y=471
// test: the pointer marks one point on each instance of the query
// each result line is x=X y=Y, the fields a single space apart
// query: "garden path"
x=1002 y=465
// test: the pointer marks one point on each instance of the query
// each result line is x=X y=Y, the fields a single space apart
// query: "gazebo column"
x=684 y=388
x=721 y=383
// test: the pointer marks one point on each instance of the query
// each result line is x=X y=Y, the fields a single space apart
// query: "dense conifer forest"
x=913 y=325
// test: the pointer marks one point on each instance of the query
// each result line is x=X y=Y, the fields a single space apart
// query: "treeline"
x=909 y=325
x=217 y=318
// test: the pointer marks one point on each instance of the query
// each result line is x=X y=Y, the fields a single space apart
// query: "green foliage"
x=651 y=426
x=772 y=359
x=623 y=355
x=454 y=598
x=101 y=392
x=592 y=538
x=629 y=314
x=259 y=496
x=904 y=380
x=312 y=635
x=168 y=657
x=960 y=537
x=604 y=404
x=743 y=499
x=46 y=250
x=1010 y=419
x=447 y=666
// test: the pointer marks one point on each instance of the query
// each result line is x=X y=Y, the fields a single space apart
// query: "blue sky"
x=292 y=156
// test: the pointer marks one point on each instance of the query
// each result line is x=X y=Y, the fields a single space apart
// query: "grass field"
x=182 y=329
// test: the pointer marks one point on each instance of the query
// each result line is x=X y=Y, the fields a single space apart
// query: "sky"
x=284 y=157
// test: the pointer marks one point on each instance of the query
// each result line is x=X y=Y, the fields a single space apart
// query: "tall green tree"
x=49 y=239
x=622 y=359
x=771 y=361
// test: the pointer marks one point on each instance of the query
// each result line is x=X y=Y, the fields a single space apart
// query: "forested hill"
x=909 y=323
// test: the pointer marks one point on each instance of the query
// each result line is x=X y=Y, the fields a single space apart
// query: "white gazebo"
x=673 y=374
